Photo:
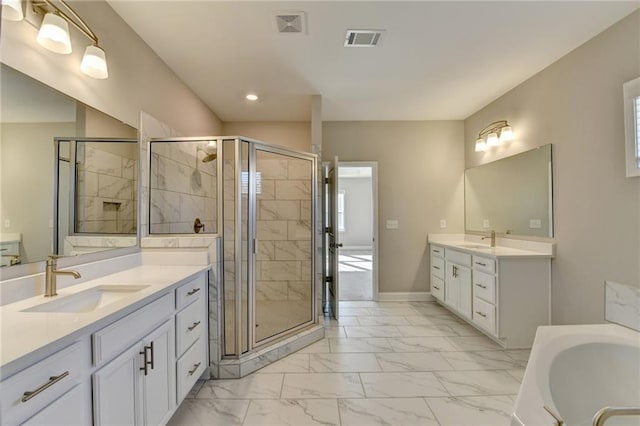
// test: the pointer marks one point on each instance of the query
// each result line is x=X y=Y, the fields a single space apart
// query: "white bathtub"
x=577 y=370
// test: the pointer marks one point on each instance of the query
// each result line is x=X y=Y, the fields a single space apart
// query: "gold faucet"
x=51 y=274
x=493 y=238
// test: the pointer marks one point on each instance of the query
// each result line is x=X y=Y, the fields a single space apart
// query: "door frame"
x=374 y=189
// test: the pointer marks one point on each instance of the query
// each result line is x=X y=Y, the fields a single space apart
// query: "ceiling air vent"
x=291 y=22
x=362 y=38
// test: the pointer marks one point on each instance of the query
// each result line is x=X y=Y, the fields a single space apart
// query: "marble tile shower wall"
x=108 y=184
x=183 y=188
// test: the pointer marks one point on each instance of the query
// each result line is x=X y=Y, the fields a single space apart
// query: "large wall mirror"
x=68 y=176
x=512 y=195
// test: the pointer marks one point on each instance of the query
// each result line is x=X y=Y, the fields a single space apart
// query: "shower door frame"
x=252 y=230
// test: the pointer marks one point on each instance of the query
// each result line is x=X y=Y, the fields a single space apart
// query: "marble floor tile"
x=392 y=311
x=401 y=385
x=195 y=389
x=386 y=412
x=425 y=330
x=519 y=354
x=481 y=360
x=473 y=343
x=480 y=383
x=249 y=387
x=294 y=363
x=293 y=412
x=518 y=374
x=472 y=411
x=413 y=361
x=373 y=331
x=374 y=344
x=205 y=412
x=432 y=320
x=343 y=363
x=334 y=332
x=431 y=309
x=464 y=330
x=350 y=312
x=321 y=346
x=322 y=385
x=382 y=320
x=341 y=321
x=421 y=344
x=358 y=304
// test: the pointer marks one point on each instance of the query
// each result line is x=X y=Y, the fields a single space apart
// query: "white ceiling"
x=435 y=61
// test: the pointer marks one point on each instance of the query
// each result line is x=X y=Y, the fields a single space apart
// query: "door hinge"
x=327 y=230
x=326 y=180
x=328 y=279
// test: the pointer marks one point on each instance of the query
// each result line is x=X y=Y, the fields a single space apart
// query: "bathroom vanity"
x=125 y=348
x=503 y=291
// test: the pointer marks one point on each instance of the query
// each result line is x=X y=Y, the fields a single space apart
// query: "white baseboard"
x=422 y=296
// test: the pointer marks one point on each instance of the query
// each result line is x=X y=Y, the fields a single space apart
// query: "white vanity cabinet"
x=506 y=297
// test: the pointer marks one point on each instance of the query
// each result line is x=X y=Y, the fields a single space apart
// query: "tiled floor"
x=356 y=274
x=386 y=363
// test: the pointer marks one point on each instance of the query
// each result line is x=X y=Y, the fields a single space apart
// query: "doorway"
x=356 y=224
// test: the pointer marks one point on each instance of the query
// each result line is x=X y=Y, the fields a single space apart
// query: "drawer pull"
x=194 y=369
x=52 y=381
x=436 y=251
x=436 y=267
x=481 y=314
x=194 y=325
x=436 y=287
x=481 y=286
x=194 y=291
x=481 y=264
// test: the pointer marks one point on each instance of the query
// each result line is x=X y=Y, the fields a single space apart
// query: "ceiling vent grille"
x=362 y=38
x=291 y=22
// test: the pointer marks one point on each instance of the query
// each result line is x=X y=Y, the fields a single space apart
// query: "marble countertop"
x=28 y=336
x=505 y=248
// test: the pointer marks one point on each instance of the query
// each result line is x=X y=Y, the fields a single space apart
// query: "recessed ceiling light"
x=252 y=97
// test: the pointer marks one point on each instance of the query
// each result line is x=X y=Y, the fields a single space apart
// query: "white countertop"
x=30 y=334
x=505 y=248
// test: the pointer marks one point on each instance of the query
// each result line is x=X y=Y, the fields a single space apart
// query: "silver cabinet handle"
x=481 y=264
x=481 y=314
x=481 y=286
x=194 y=369
x=152 y=355
x=436 y=287
x=194 y=325
x=436 y=251
x=436 y=267
x=194 y=291
x=52 y=381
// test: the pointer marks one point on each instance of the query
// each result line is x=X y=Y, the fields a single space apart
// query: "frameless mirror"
x=35 y=120
x=512 y=195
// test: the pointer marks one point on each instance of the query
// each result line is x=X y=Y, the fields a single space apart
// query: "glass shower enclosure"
x=268 y=241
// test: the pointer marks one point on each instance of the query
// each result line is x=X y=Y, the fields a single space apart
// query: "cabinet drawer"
x=189 y=325
x=115 y=338
x=458 y=257
x=437 y=288
x=189 y=292
x=47 y=381
x=484 y=286
x=70 y=409
x=484 y=264
x=437 y=267
x=437 y=251
x=190 y=367
x=484 y=314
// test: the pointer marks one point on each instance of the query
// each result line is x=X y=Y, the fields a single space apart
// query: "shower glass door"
x=284 y=191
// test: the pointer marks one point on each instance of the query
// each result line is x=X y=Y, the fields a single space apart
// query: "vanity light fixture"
x=496 y=133
x=251 y=97
x=54 y=31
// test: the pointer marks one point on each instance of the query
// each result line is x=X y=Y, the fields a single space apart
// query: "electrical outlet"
x=443 y=223
x=486 y=224
x=392 y=224
x=535 y=223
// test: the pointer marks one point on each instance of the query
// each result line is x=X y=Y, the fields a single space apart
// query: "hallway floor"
x=356 y=274
x=383 y=363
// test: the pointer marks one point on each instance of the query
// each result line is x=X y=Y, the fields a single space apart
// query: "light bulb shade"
x=481 y=145
x=506 y=134
x=54 y=34
x=94 y=63
x=492 y=139
x=12 y=10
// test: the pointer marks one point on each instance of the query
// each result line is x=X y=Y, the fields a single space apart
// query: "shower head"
x=209 y=157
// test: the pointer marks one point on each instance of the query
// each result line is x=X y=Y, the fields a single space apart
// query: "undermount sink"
x=475 y=246
x=87 y=300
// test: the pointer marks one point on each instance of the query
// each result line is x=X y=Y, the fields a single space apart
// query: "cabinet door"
x=115 y=390
x=158 y=385
x=451 y=285
x=466 y=291
x=71 y=409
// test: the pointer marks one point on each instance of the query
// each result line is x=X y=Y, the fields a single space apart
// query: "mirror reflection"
x=512 y=195
x=35 y=120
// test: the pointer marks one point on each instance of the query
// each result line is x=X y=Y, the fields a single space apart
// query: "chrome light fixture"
x=496 y=133
x=54 y=31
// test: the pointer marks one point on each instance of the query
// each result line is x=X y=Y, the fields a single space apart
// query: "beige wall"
x=138 y=78
x=420 y=181
x=292 y=134
x=576 y=104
